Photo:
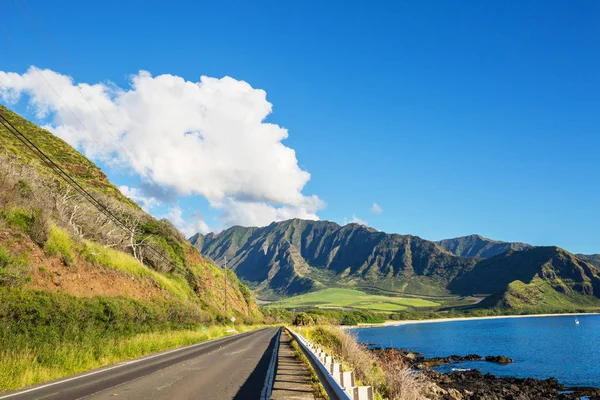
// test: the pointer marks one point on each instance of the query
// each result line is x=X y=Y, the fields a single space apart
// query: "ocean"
x=542 y=347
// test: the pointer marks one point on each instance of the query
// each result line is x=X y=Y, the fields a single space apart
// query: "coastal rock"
x=499 y=359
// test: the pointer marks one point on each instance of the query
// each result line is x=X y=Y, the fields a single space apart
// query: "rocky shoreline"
x=473 y=385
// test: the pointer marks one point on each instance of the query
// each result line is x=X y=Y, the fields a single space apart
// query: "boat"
x=576 y=321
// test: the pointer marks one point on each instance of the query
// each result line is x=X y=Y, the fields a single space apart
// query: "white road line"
x=113 y=367
x=268 y=386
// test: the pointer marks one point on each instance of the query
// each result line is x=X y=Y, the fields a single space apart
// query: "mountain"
x=544 y=277
x=476 y=246
x=53 y=240
x=593 y=259
x=296 y=256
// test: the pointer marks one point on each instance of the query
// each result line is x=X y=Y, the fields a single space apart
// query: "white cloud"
x=190 y=226
x=147 y=203
x=355 y=220
x=204 y=138
x=260 y=213
x=376 y=209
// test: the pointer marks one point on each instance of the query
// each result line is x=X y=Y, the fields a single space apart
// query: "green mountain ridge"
x=477 y=246
x=297 y=256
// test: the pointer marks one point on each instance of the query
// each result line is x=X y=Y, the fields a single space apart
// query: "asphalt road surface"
x=232 y=367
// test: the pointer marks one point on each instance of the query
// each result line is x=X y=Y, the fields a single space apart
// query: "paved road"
x=229 y=368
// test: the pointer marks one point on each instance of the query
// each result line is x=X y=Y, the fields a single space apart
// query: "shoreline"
x=437 y=320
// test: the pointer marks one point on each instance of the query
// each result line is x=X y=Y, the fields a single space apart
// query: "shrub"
x=18 y=217
x=40 y=226
x=350 y=319
x=303 y=319
x=60 y=243
x=14 y=270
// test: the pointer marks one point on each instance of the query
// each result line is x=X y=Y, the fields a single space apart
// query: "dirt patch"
x=81 y=278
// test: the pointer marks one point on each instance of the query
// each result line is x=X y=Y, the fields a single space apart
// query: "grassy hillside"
x=75 y=287
x=545 y=278
x=352 y=299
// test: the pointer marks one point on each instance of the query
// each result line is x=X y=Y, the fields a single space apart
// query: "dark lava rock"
x=499 y=359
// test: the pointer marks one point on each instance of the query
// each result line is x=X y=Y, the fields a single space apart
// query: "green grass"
x=349 y=298
x=46 y=335
x=60 y=243
x=119 y=261
x=17 y=217
x=540 y=297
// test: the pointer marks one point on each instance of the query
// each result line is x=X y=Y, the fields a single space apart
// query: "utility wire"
x=72 y=182
x=51 y=87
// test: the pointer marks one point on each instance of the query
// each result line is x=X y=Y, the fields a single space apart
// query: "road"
x=233 y=367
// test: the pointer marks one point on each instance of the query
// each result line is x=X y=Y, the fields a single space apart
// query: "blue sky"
x=454 y=117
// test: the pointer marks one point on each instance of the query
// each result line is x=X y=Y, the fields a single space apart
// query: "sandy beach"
x=431 y=321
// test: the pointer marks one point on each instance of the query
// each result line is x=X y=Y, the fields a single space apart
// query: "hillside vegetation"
x=75 y=285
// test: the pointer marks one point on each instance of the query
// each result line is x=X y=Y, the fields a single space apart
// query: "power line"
x=50 y=86
x=72 y=182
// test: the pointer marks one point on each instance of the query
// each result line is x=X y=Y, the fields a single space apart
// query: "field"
x=349 y=298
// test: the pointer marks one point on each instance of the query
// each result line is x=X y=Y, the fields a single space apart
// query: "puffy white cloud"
x=188 y=226
x=376 y=209
x=355 y=220
x=147 y=203
x=204 y=138
x=249 y=213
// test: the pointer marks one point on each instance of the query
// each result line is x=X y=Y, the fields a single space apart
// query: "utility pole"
x=225 y=273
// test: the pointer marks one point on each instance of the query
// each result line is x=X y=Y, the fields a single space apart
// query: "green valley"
x=351 y=299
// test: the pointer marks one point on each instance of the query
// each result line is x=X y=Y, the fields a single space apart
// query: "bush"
x=303 y=319
x=18 y=217
x=14 y=271
x=40 y=227
x=60 y=243
x=350 y=319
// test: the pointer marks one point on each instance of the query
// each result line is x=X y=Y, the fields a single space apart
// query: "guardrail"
x=339 y=384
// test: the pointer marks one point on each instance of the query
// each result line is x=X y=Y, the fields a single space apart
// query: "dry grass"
x=390 y=378
x=401 y=382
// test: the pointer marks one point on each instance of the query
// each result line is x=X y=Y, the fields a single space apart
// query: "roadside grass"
x=45 y=335
x=20 y=368
x=123 y=262
x=390 y=379
x=350 y=298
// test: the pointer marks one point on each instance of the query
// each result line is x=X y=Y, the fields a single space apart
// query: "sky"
x=432 y=118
